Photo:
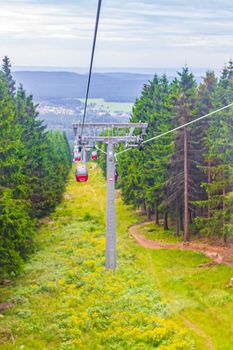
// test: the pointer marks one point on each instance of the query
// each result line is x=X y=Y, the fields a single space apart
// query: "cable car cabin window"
x=81 y=171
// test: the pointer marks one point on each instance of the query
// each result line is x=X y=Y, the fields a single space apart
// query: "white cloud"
x=142 y=30
x=40 y=21
x=207 y=42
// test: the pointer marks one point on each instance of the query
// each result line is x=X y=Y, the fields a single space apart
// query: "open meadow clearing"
x=156 y=299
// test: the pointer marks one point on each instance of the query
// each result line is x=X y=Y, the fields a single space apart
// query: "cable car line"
x=91 y=64
x=179 y=127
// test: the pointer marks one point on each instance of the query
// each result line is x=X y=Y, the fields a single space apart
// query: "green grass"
x=65 y=300
x=155 y=232
x=198 y=295
x=112 y=106
x=198 y=298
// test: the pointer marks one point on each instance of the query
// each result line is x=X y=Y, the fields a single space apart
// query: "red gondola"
x=81 y=173
x=77 y=157
x=94 y=155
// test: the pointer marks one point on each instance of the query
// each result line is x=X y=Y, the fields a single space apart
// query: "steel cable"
x=91 y=64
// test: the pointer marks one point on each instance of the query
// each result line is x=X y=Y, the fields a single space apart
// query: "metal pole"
x=84 y=155
x=110 y=139
x=111 y=263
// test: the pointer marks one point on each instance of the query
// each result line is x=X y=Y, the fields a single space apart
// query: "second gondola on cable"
x=94 y=155
x=77 y=157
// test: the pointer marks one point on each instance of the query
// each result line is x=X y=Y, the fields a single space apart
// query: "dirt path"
x=218 y=254
x=200 y=332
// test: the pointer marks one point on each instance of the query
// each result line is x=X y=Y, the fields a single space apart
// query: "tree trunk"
x=148 y=213
x=223 y=215
x=186 y=214
x=177 y=226
x=190 y=217
x=156 y=216
x=165 y=224
x=209 y=182
x=194 y=214
x=177 y=218
x=181 y=219
x=144 y=207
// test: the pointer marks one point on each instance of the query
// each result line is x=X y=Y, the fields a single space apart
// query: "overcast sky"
x=132 y=33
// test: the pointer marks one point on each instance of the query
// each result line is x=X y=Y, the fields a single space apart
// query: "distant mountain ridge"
x=123 y=87
x=113 y=86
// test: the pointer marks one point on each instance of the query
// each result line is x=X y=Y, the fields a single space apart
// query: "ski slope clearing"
x=65 y=299
x=157 y=299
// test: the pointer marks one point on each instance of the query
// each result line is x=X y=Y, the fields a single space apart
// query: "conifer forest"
x=184 y=178
x=34 y=165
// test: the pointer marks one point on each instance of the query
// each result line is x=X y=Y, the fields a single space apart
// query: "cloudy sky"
x=132 y=33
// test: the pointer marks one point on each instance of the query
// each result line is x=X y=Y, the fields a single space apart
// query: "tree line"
x=34 y=165
x=184 y=178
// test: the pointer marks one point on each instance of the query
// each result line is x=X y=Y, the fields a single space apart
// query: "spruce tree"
x=182 y=185
x=6 y=70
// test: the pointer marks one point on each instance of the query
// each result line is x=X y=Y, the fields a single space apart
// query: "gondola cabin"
x=77 y=157
x=94 y=155
x=81 y=173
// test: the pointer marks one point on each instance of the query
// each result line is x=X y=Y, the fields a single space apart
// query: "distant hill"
x=123 y=87
x=57 y=93
x=113 y=87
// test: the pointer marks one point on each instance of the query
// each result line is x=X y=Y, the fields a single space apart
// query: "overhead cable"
x=179 y=127
x=99 y=149
x=92 y=60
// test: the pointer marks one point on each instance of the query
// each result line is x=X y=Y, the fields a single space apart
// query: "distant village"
x=60 y=114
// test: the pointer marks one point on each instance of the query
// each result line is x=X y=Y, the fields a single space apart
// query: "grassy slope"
x=64 y=289
x=153 y=232
x=65 y=300
x=198 y=297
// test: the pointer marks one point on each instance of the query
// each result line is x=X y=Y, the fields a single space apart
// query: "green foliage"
x=49 y=184
x=6 y=70
x=34 y=165
x=16 y=233
x=156 y=232
x=143 y=174
x=218 y=140
x=154 y=179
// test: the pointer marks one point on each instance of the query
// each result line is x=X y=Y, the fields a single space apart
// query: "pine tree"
x=6 y=70
x=206 y=102
x=182 y=184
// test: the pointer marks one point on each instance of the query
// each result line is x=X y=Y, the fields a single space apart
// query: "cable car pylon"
x=108 y=133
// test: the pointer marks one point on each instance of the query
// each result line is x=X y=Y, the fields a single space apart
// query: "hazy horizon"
x=133 y=70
